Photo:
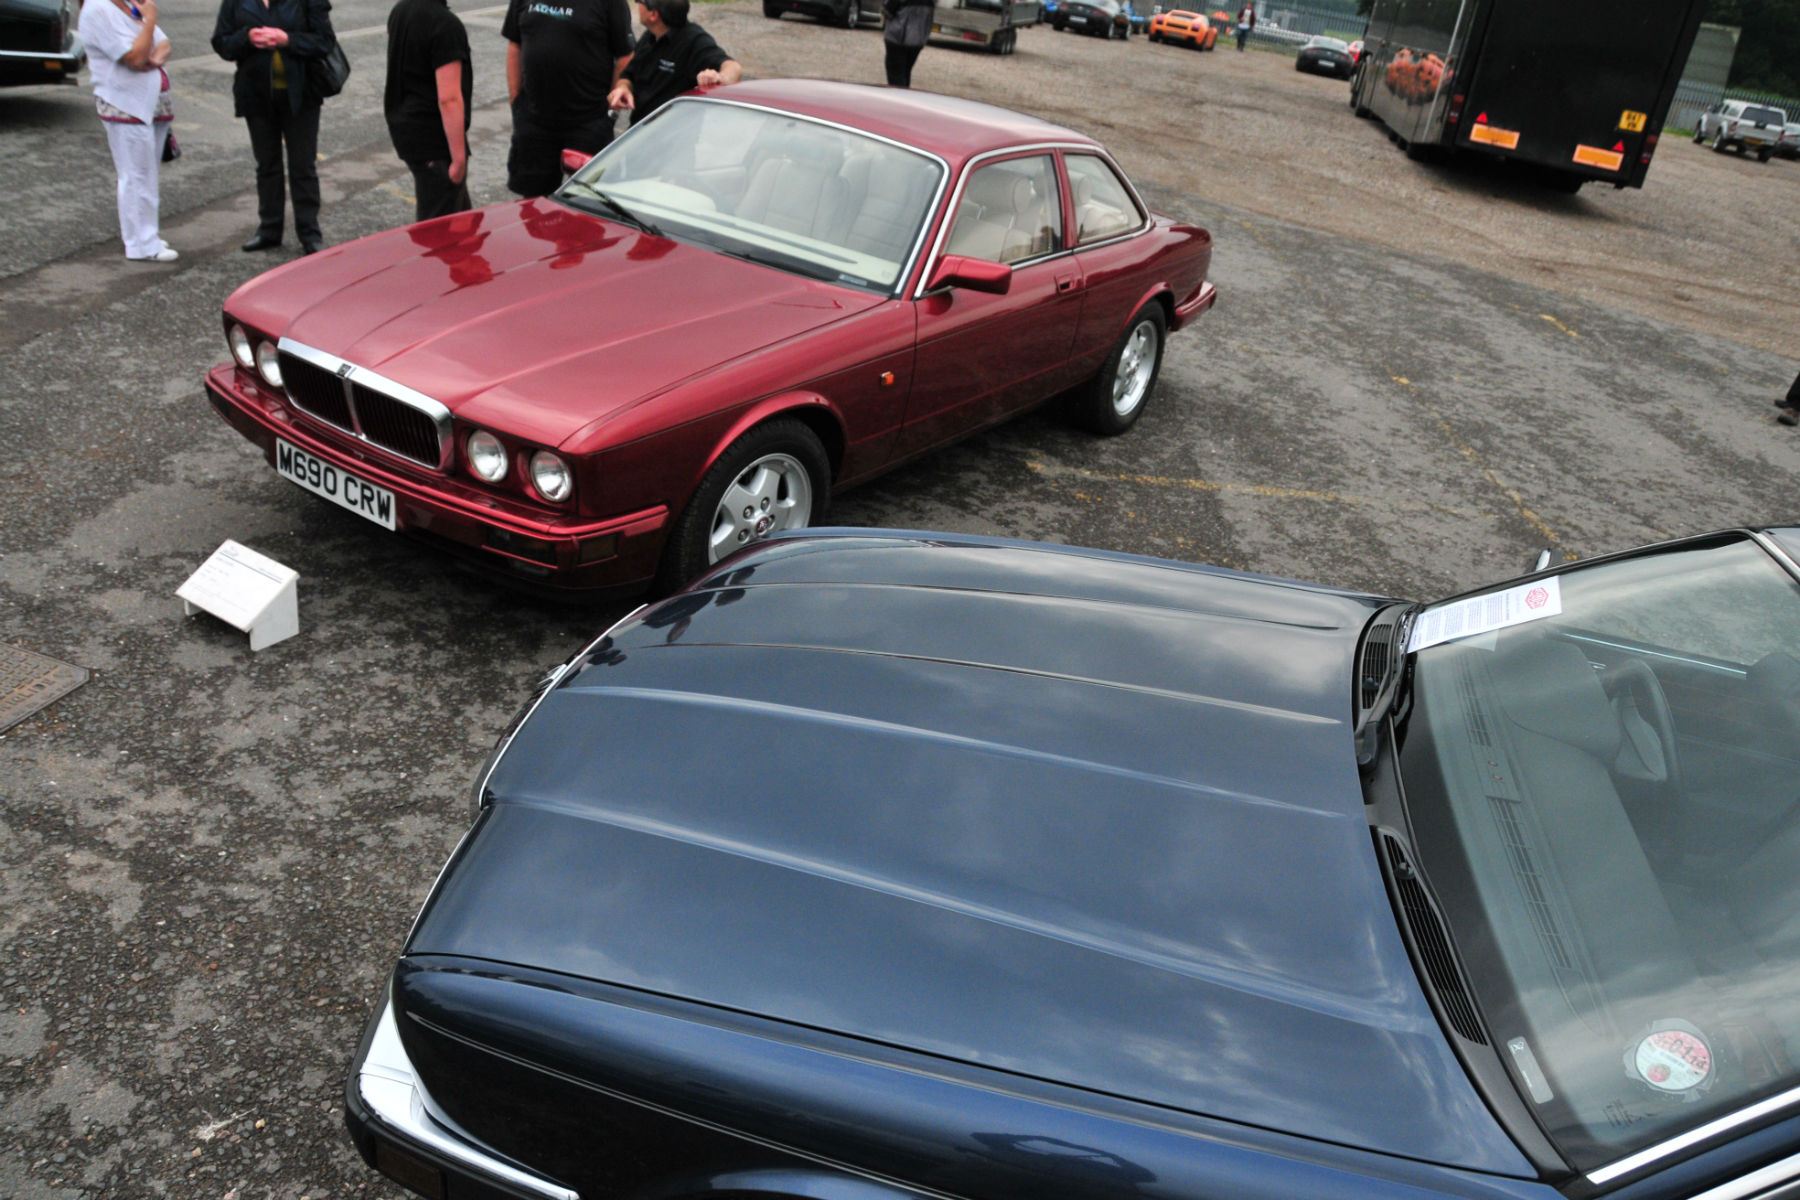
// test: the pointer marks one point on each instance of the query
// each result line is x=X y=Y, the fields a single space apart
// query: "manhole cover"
x=30 y=681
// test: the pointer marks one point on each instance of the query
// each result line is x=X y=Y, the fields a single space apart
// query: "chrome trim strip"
x=387 y=1083
x=1743 y=1116
x=969 y=168
x=1773 y=1175
x=1777 y=550
x=66 y=57
x=348 y=372
x=931 y=209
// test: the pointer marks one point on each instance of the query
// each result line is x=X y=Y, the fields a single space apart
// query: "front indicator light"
x=268 y=365
x=487 y=457
x=550 y=475
x=241 y=350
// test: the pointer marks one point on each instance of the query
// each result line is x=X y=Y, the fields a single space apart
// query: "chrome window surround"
x=387 y=1083
x=65 y=57
x=1763 y=1180
x=349 y=373
x=1743 y=1116
x=974 y=164
x=931 y=209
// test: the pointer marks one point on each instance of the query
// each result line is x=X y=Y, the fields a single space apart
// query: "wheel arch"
x=809 y=408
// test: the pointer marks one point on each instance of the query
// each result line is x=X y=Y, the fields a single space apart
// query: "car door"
x=983 y=356
x=1106 y=222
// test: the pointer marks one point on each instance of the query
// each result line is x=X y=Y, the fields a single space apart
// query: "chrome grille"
x=375 y=410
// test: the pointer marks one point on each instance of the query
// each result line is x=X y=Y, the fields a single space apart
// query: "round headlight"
x=267 y=364
x=241 y=348
x=487 y=457
x=550 y=475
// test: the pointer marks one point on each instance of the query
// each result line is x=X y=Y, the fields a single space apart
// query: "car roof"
x=950 y=126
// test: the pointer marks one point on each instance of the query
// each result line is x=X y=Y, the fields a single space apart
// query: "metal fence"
x=1692 y=99
x=1289 y=25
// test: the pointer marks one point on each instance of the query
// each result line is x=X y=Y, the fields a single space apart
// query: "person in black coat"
x=277 y=46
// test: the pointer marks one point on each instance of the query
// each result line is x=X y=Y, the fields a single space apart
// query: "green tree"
x=1768 y=49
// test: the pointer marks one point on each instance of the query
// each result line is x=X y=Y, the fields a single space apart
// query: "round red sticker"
x=1537 y=598
x=1673 y=1060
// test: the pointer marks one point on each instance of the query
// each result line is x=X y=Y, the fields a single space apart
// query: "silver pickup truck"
x=1744 y=125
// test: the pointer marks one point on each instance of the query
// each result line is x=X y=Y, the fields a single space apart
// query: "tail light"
x=1649 y=149
x=1456 y=105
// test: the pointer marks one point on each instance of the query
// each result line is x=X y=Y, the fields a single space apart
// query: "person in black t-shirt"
x=429 y=84
x=673 y=56
x=562 y=57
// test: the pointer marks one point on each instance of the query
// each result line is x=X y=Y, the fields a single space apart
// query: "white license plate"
x=335 y=484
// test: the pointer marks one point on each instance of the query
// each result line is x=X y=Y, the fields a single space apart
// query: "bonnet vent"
x=1431 y=944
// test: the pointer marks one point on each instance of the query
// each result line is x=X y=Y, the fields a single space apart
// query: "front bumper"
x=398 y=1131
x=553 y=552
x=23 y=67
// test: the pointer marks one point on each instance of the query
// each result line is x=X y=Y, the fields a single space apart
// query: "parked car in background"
x=1097 y=18
x=1184 y=28
x=1325 y=56
x=1742 y=126
x=885 y=866
x=1789 y=145
x=847 y=14
x=38 y=42
x=747 y=301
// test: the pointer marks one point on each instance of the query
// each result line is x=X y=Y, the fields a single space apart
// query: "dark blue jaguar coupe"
x=887 y=866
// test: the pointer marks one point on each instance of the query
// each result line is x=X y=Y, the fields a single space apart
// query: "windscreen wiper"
x=1383 y=679
x=573 y=188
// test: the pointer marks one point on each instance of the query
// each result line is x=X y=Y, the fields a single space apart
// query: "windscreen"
x=796 y=194
x=1605 y=794
x=1765 y=116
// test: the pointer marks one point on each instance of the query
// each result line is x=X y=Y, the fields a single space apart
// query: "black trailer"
x=1577 y=88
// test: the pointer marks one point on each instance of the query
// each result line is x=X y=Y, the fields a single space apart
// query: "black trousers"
x=534 y=163
x=270 y=128
x=433 y=193
x=900 y=60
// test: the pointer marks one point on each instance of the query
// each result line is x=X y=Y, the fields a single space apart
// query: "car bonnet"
x=1081 y=817
x=535 y=318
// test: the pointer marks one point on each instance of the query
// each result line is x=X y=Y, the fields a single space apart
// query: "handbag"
x=333 y=72
x=171 y=148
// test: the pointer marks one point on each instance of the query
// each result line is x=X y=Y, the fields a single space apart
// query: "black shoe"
x=1788 y=416
x=311 y=245
x=261 y=241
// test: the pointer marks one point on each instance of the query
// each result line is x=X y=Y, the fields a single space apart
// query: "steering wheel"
x=1647 y=751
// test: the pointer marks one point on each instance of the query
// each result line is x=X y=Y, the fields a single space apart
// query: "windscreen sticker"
x=1672 y=1058
x=1484 y=614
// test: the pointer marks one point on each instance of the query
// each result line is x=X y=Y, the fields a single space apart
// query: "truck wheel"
x=1699 y=134
x=1009 y=40
x=847 y=19
x=1719 y=142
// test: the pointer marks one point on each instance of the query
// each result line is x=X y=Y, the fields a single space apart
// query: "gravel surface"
x=1711 y=241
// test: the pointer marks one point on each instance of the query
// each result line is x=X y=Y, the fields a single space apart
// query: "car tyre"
x=1113 y=400
x=1718 y=142
x=1763 y=155
x=1699 y=134
x=848 y=19
x=771 y=11
x=775 y=477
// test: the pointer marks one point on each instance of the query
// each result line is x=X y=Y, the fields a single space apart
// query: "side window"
x=1103 y=208
x=1009 y=211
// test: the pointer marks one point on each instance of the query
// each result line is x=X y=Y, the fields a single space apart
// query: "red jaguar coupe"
x=754 y=297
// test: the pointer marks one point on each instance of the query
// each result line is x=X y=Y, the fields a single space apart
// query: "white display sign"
x=246 y=590
x=1484 y=614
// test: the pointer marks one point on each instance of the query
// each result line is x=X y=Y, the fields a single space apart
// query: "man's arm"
x=515 y=72
x=726 y=72
x=450 y=108
x=619 y=65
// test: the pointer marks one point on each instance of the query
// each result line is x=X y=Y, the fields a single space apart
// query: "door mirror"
x=976 y=274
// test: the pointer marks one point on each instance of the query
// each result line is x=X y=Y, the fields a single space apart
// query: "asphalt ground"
x=208 y=856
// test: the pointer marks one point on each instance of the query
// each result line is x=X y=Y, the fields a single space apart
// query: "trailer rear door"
x=1575 y=86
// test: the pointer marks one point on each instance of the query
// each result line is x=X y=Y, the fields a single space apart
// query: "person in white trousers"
x=126 y=53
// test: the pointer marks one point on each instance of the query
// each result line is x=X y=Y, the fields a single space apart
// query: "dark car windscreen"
x=1606 y=797
x=1764 y=116
x=771 y=187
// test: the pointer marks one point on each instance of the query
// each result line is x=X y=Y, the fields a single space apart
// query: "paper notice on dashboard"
x=1484 y=614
